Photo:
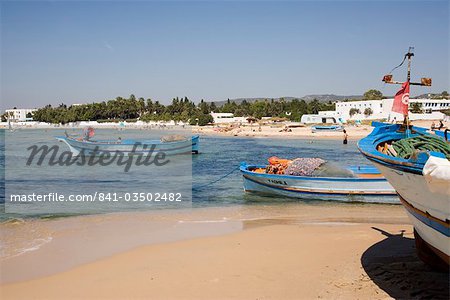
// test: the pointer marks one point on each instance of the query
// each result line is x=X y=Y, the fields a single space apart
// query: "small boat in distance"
x=417 y=164
x=320 y=128
x=170 y=145
x=366 y=185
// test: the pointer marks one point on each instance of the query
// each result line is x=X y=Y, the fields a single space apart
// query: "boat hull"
x=132 y=146
x=331 y=128
x=320 y=188
x=428 y=211
x=427 y=208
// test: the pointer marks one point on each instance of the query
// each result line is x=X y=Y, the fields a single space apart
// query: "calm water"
x=218 y=157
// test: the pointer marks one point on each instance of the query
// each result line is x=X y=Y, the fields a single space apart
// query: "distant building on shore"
x=382 y=109
x=20 y=114
x=227 y=118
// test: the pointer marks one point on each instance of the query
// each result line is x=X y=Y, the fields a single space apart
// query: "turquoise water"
x=218 y=157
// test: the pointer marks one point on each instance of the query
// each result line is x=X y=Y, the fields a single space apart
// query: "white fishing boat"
x=417 y=165
x=170 y=145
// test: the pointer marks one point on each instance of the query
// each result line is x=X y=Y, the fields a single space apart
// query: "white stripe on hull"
x=414 y=189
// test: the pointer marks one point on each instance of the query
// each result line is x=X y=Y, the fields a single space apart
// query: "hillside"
x=307 y=98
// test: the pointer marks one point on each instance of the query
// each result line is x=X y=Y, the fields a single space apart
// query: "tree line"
x=185 y=110
x=181 y=109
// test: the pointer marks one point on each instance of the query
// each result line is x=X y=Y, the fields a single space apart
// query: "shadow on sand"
x=394 y=266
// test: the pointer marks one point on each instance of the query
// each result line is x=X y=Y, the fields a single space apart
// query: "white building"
x=19 y=115
x=220 y=118
x=343 y=109
x=382 y=109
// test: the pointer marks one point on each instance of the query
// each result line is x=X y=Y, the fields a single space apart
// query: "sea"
x=208 y=179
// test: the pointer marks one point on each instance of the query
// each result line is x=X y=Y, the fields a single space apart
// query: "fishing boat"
x=366 y=185
x=320 y=128
x=416 y=163
x=170 y=145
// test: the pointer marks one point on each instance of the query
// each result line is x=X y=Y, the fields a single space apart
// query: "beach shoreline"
x=270 y=257
x=275 y=131
x=206 y=243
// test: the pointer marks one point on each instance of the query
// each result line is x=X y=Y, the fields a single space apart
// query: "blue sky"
x=79 y=52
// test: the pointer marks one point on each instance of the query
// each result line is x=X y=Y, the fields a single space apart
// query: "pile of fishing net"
x=306 y=166
x=406 y=148
x=173 y=138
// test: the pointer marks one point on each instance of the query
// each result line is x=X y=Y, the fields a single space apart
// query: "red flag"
x=401 y=99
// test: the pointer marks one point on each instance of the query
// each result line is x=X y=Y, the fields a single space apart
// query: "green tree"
x=353 y=111
x=373 y=95
x=416 y=107
x=205 y=119
x=368 y=112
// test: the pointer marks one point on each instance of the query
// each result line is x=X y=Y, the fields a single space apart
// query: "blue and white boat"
x=320 y=128
x=425 y=194
x=417 y=165
x=131 y=146
x=367 y=185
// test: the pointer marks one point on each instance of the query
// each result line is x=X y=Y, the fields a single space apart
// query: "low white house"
x=19 y=114
x=220 y=118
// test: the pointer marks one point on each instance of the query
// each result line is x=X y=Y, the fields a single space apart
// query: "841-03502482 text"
x=98 y=196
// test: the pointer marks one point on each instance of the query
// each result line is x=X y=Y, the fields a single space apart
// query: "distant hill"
x=431 y=96
x=307 y=98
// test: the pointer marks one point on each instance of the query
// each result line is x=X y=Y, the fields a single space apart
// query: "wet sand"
x=262 y=252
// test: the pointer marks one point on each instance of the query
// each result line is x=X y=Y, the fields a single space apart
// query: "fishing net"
x=306 y=166
x=172 y=138
x=330 y=169
x=303 y=166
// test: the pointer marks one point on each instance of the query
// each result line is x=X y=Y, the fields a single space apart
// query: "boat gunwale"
x=115 y=143
x=367 y=146
x=244 y=169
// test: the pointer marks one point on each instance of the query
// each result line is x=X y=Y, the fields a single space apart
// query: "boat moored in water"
x=366 y=185
x=132 y=146
x=320 y=128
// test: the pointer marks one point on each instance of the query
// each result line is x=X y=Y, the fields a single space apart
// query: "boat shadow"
x=393 y=265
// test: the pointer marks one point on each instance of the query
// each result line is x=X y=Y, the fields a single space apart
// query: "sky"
x=84 y=51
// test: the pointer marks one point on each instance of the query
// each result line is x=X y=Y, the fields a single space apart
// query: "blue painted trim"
x=387 y=132
x=244 y=169
x=314 y=193
x=426 y=220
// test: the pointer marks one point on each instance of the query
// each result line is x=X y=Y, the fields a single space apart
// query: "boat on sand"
x=417 y=165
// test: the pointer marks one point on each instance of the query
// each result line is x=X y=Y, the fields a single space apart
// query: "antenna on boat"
x=405 y=97
x=425 y=81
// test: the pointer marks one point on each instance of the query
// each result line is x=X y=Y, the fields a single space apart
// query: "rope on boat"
x=406 y=148
x=199 y=187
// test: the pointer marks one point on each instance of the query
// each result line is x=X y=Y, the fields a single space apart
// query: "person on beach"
x=345 y=137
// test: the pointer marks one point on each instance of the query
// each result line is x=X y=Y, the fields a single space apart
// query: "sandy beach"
x=225 y=130
x=269 y=252
x=271 y=131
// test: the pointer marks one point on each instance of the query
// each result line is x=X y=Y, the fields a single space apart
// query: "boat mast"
x=409 y=55
x=423 y=81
